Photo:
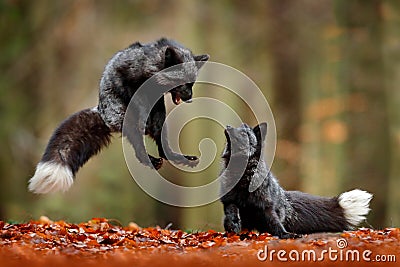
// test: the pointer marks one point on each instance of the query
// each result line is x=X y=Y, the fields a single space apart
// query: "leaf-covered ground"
x=100 y=242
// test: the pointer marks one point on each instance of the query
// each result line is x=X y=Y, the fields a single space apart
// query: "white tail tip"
x=355 y=205
x=51 y=177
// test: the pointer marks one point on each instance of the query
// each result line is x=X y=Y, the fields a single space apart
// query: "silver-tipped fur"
x=51 y=177
x=355 y=205
x=85 y=133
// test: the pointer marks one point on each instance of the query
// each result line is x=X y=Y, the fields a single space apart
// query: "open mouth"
x=176 y=98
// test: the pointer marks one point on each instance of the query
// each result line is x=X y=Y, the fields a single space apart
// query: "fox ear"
x=261 y=131
x=201 y=59
x=171 y=58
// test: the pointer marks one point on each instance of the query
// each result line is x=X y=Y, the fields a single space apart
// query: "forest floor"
x=100 y=242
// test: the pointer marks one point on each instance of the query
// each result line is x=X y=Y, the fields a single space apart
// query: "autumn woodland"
x=330 y=71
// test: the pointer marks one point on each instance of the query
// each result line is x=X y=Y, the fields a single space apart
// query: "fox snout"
x=182 y=93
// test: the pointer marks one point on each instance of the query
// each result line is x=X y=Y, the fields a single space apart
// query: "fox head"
x=173 y=66
x=183 y=70
x=243 y=147
x=243 y=155
x=244 y=141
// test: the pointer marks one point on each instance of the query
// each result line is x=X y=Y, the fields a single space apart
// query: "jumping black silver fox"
x=86 y=132
x=269 y=208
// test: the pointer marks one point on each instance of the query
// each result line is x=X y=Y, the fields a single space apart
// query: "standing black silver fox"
x=269 y=208
x=86 y=132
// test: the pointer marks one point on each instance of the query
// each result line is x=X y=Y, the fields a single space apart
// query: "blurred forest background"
x=329 y=69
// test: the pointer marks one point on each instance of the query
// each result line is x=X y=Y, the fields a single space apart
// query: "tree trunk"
x=368 y=144
x=284 y=49
x=392 y=69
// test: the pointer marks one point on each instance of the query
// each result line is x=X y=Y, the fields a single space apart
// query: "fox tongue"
x=178 y=100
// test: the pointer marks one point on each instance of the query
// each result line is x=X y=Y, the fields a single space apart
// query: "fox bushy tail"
x=355 y=205
x=77 y=139
x=324 y=214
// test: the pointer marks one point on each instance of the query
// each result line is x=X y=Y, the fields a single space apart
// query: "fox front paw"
x=186 y=160
x=232 y=226
x=192 y=161
x=150 y=161
x=289 y=235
